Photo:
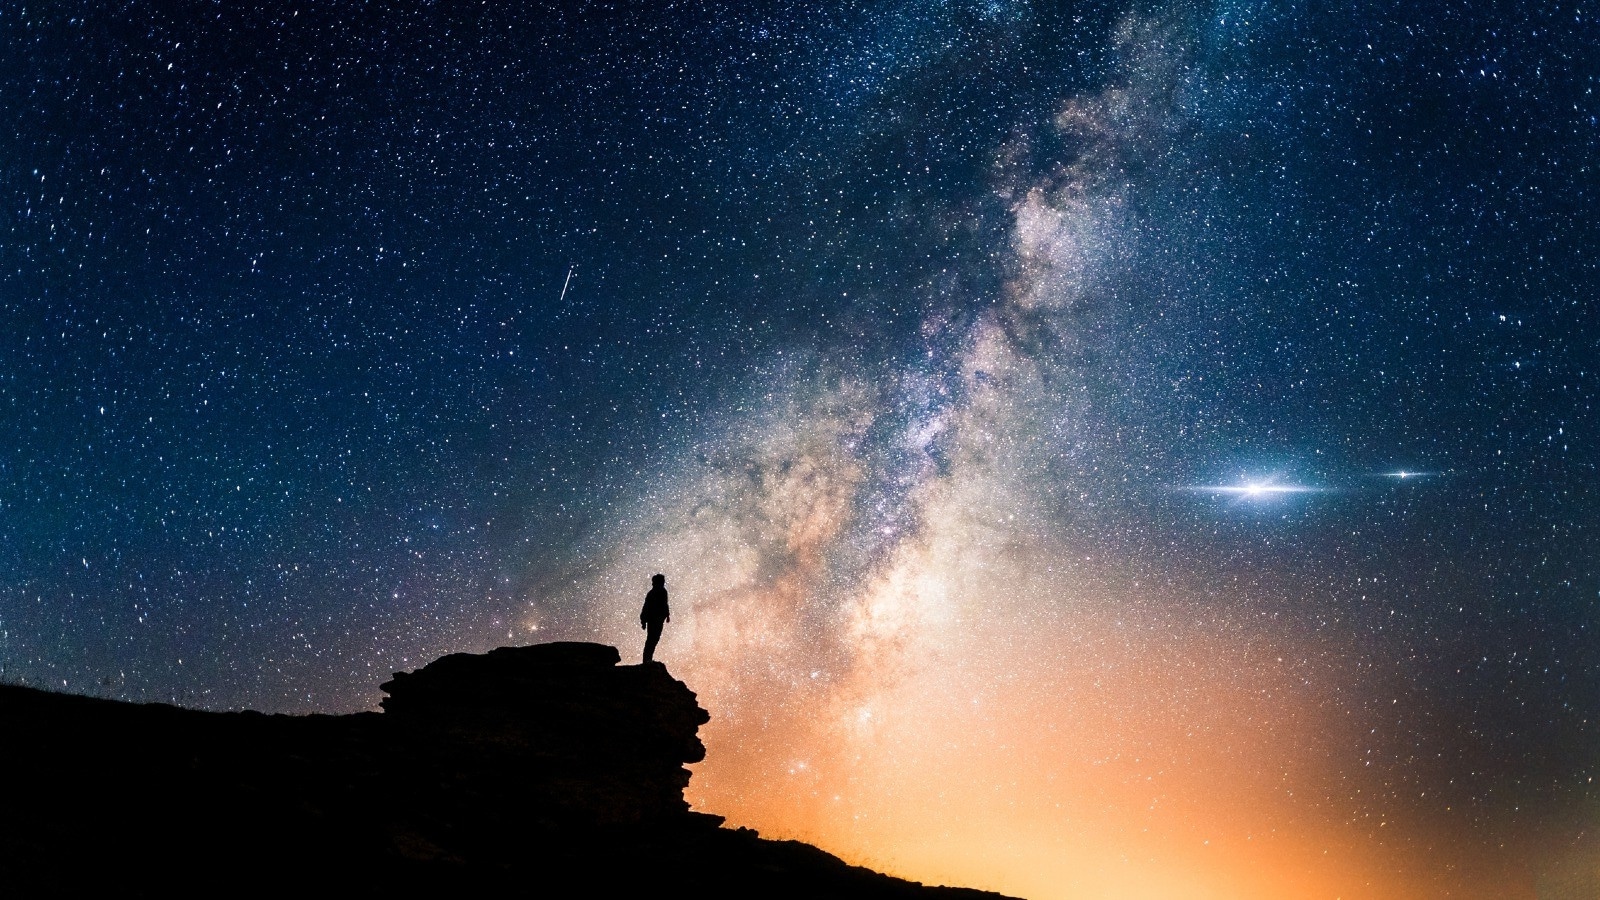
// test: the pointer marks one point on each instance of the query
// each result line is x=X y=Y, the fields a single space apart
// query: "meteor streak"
x=563 y=297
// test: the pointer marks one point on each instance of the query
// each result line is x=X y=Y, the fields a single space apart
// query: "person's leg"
x=652 y=635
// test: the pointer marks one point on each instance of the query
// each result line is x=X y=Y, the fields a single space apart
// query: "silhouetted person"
x=654 y=614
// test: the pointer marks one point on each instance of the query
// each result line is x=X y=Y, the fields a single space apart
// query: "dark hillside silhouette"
x=544 y=771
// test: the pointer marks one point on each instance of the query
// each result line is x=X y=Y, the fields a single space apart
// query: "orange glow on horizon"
x=956 y=733
x=1093 y=780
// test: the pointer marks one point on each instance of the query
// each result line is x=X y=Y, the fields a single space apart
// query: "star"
x=1405 y=475
x=1254 y=488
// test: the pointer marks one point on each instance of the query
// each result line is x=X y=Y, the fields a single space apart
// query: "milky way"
x=1095 y=450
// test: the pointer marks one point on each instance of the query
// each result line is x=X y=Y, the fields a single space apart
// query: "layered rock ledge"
x=548 y=736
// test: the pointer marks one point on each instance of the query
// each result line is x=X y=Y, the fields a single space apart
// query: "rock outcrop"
x=547 y=771
x=556 y=730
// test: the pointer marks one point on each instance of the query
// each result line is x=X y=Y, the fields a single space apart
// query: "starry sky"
x=1095 y=449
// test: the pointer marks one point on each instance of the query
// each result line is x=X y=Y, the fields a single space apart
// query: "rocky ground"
x=547 y=770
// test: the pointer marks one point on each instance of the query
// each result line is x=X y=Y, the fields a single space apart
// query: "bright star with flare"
x=1254 y=489
x=1405 y=475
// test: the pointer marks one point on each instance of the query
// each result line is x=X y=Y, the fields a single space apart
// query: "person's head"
x=658 y=580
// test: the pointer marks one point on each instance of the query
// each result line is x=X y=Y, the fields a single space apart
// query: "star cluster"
x=1096 y=450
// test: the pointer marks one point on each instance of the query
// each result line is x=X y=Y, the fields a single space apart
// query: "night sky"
x=1095 y=450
